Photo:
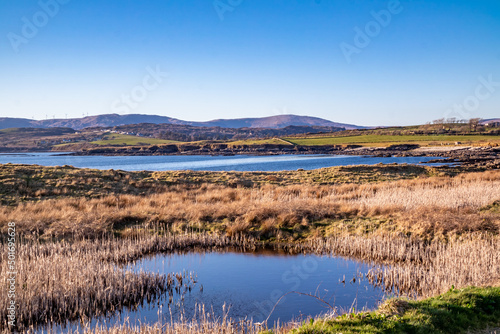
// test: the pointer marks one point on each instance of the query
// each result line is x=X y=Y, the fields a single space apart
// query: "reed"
x=78 y=280
x=413 y=267
x=204 y=322
x=473 y=261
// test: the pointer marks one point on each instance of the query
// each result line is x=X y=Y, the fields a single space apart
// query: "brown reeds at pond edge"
x=78 y=280
x=414 y=267
x=59 y=281
x=436 y=267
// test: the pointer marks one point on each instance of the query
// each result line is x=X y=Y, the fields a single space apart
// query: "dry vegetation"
x=60 y=281
x=20 y=183
x=426 y=207
x=63 y=281
x=429 y=232
x=461 y=263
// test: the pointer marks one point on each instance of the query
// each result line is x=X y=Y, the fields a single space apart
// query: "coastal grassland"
x=128 y=140
x=430 y=228
x=386 y=140
x=427 y=207
x=21 y=183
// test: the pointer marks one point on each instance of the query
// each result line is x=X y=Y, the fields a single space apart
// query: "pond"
x=251 y=284
x=206 y=162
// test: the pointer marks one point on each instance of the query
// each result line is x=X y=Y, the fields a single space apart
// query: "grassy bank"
x=457 y=311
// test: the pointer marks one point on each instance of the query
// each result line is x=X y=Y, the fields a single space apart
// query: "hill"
x=194 y=133
x=276 y=122
x=490 y=121
x=111 y=120
x=8 y=123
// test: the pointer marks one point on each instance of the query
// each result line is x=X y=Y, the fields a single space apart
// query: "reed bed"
x=60 y=281
x=206 y=322
x=439 y=205
x=415 y=267
x=474 y=261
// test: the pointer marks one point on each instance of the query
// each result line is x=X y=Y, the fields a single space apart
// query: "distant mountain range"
x=110 y=120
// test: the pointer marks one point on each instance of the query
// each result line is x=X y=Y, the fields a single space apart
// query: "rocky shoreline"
x=466 y=156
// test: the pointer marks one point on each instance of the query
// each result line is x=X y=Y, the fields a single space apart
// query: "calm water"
x=203 y=162
x=250 y=284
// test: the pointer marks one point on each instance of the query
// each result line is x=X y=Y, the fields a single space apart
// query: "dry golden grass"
x=19 y=183
x=428 y=207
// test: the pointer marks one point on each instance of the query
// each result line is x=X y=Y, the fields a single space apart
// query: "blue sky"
x=250 y=58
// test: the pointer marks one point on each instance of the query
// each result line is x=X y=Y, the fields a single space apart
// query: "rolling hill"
x=276 y=122
x=110 y=120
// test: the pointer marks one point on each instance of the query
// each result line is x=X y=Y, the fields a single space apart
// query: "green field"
x=119 y=139
x=385 y=140
x=274 y=141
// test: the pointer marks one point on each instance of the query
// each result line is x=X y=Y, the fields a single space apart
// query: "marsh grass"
x=429 y=234
x=415 y=267
x=429 y=207
x=206 y=322
x=21 y=183
x=470 y=310
x=79 y=280
x=83 y=279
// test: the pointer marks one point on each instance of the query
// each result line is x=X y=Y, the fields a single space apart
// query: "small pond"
x=250 y=284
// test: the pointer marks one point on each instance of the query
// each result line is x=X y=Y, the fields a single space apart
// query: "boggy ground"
x=21 y=183
x=414 y=201
x=434 y=228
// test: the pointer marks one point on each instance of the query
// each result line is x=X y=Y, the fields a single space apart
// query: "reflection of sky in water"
x=250 y=285
x=204 y=162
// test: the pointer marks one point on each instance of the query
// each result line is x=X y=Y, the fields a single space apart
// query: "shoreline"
x=466 y=156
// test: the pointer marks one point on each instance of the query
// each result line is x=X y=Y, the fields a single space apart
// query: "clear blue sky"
x=251 y=58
